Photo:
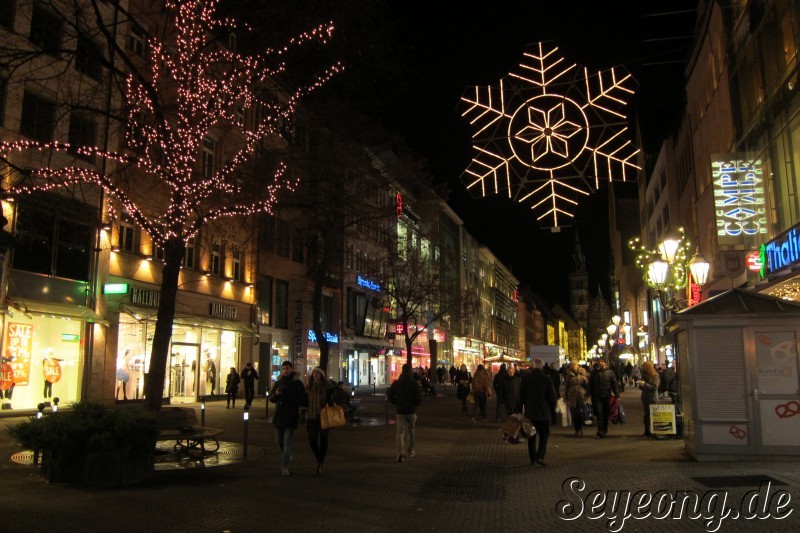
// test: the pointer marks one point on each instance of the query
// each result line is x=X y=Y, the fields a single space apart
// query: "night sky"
x=455 y=47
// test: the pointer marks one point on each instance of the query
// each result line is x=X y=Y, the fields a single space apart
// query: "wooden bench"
x=180 y=424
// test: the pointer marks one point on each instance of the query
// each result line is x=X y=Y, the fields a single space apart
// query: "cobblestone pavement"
x=463 y=478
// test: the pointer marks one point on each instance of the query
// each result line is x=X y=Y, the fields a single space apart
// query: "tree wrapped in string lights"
x=191 y=87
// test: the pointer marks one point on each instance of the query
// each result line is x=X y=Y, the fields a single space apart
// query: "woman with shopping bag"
x=319 y=392
x=575 y=385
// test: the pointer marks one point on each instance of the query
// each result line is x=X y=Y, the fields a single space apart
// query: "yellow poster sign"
x=662 y=419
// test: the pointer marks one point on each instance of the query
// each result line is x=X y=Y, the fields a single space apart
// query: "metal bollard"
x=202 y=410
x=40 y=412
x=246 y=418
x=55 y=404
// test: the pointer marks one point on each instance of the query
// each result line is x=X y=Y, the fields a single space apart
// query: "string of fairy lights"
x=210 y=87
x=677 y=277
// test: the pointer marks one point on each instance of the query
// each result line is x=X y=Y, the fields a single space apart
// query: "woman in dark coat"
x=463 y=379
x=575 y=385
x=232 y=387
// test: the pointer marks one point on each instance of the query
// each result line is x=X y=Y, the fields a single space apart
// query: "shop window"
x=282 y=237
x=137 y=40
x=7 y=12
x=127 y=235
x=297 y=245
x=46 y=29
x=216 y=258
x=207 y=159
x=266 y=235
x=52 y=243
x=237 y=266
x=264 y=300
x=189 y=254
x=281 y=304
x=158 y=251
x=82 y=133
x=38 y=117
x=356 y=311
x=3 y=86
x=88 y=58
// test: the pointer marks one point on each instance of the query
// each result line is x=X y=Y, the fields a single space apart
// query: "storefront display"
x=42 y=359
x=197 y=358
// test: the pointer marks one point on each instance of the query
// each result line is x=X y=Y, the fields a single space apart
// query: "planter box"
x=97 y=469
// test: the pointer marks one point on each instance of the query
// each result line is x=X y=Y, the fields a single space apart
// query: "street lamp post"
x=665 y=269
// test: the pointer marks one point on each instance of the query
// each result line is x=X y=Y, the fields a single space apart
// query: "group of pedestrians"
x=248 y=376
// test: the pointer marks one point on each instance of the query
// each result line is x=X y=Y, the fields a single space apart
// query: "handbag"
x=471 y=397
x=332 y=416
x=587 y=414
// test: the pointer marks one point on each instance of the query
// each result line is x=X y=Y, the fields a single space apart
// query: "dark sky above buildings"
x=455 y=46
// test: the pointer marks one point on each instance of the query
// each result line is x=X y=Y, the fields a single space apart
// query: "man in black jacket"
x=538 y=397
x=405 y=395
x=602 y=385
x=289 y=394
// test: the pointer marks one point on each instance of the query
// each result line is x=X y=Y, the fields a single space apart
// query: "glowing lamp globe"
x=669 y=246
x=699 y=268
x=657 y=272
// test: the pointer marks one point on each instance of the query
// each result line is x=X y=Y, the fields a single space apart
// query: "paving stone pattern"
x=464 y=478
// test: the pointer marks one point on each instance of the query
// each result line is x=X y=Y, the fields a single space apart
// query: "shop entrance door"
x=184 y=365
x=776 y=391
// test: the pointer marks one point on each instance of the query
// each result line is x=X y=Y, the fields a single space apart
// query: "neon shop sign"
x=738 y=198
x=330 y=337
x=368 y=284
x=781 y=252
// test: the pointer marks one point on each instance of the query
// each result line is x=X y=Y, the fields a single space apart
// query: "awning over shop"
x=55 y=310
x=147 y=314
x=502 y=358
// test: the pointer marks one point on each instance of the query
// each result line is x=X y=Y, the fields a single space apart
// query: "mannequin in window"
x=123 y=376
x=48 y=385
x=6 y=394
x=211 y=372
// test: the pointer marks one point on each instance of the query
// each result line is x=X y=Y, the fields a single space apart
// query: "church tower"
x=579 y=285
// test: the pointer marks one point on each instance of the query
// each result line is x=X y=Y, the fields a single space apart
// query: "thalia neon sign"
x=781 y=252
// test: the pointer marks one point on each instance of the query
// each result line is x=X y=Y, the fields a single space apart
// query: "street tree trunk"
x=316 y=325
x=156 y=373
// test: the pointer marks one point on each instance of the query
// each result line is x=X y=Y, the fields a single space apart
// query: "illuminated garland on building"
x=209 y=87
x=550 y=133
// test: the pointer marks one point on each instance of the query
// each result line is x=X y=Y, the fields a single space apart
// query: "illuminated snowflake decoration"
x=549 y=134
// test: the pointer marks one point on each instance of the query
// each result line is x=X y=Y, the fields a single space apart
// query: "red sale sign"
x=19 y=343
x=51 y=370
x=6 y=376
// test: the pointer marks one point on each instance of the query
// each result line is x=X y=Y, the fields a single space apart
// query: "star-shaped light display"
x=549 y=134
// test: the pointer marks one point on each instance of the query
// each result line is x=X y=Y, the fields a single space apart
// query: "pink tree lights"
x=191 y=88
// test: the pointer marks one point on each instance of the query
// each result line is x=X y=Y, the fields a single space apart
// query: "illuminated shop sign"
x=333 y=339
x=368 y=284
x=781 y=252
x=115 y=288
x=70 y=337
x=738 y=198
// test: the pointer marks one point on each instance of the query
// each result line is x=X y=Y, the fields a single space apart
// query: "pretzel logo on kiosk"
x=788 y=409
x=737 y=432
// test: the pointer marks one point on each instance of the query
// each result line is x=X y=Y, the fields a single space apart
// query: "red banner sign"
x=6 y=376
x=19 y=343
x=51 y=370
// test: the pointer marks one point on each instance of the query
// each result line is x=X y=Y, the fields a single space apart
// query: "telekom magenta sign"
x=738 y=198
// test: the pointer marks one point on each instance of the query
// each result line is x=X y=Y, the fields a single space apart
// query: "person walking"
x=463 y=380
x=537 y=400
x=404 y=393
x=481 y=391
x=288 y=394
x=232 y=387
x=575 y=387
x=504 y=391
x=249 y=377
x=602 y=385
x=453 y=372
x=319 y=392
x=649 y=385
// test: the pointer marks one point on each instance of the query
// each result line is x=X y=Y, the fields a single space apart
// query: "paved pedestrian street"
x=463 y=478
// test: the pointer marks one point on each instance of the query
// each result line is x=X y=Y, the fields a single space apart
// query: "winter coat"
x=463 y=378
x=288 y=402
x=320 y=394
x=249 y=375
x=480 y=382
x=650 y=390
x=404 y=393
x=602 y=384
x=504 y=387
x=232 y=383
x=537 y=395
x=576 y=384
